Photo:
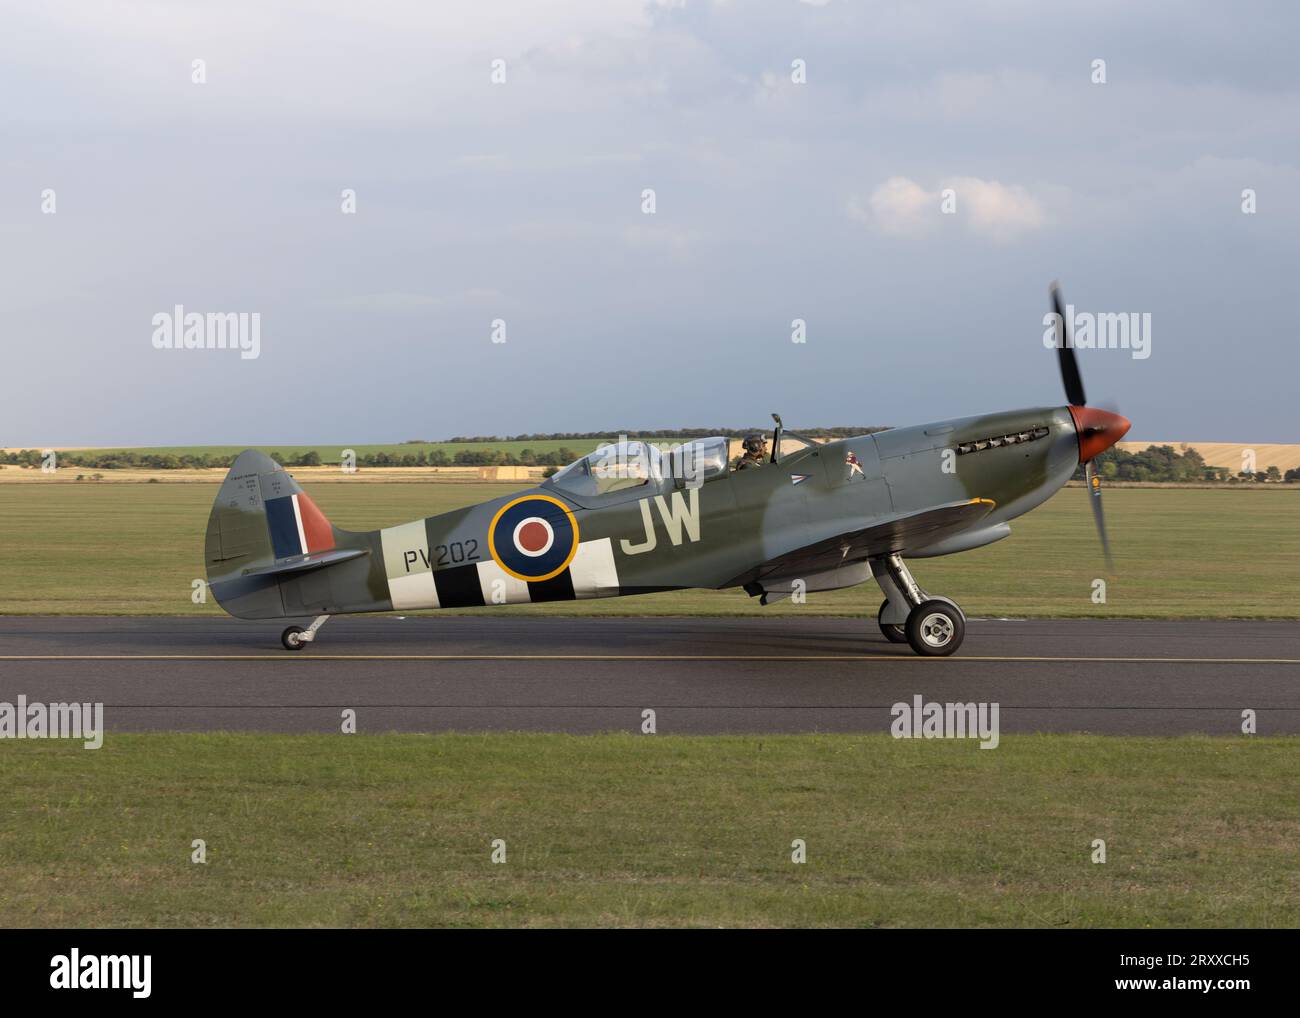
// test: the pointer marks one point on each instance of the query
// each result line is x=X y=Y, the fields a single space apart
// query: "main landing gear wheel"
x=935 y=628
x=894 y=633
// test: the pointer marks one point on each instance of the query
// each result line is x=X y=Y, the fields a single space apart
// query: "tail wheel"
x=290 y=638
x=894 y=633
x=935 y=628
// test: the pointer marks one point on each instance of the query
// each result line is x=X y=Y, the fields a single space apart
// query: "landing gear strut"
x=295 y=637
x=894 y=633
x=932 y=626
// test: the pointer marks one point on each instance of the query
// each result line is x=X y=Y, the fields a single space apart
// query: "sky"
x=645 y=206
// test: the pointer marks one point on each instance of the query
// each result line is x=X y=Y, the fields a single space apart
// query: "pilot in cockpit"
x=755 y=452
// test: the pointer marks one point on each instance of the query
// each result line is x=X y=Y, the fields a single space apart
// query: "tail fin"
x=263 y=527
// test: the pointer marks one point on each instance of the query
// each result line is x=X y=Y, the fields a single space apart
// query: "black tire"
x=935 y=628
x=946 y=600
x=290 y=638
x=894 y=633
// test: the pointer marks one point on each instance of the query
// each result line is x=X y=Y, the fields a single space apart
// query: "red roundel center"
x=533 y=536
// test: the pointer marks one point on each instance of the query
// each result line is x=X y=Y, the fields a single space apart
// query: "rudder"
x=263 y=525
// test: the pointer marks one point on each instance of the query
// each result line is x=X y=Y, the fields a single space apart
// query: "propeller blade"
x=1098 y=428
x=1093 y=477
x=1070 y=376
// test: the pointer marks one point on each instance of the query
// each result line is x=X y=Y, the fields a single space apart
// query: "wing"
x=909 y=532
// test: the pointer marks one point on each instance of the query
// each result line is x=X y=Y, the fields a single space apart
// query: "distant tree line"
x=1156 y=463
x=1165 y=464
x=680 y=434
x=468 y=458
x=118 y=460
x=126 y=459
x=482 y=457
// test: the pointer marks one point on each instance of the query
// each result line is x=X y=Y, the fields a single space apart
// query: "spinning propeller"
x=1098 y=429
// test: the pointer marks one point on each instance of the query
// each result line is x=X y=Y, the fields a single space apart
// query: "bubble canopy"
x=621 y=466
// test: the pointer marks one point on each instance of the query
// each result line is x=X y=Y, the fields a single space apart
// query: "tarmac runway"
x=699 y=675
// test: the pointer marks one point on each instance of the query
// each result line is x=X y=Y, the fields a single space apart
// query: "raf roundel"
x=533 y=538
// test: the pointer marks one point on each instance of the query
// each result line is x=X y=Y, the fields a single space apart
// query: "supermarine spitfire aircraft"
x=631 y=518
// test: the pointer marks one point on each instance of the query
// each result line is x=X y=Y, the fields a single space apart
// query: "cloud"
x=902 y=207
x=994 y=209
x=899 y=206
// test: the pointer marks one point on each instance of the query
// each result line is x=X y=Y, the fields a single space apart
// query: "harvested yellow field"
x=1230 y=454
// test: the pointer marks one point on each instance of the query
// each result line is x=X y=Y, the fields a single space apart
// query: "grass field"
x=136 y=549
x=625 y=830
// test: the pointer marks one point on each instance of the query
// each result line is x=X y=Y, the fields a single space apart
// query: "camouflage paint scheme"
x=929 y=490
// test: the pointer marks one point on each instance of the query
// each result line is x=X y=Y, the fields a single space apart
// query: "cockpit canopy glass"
x=610 y=468
x=623 y=465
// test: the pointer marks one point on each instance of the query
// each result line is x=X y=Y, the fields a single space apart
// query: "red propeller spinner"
x=1098 y=430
